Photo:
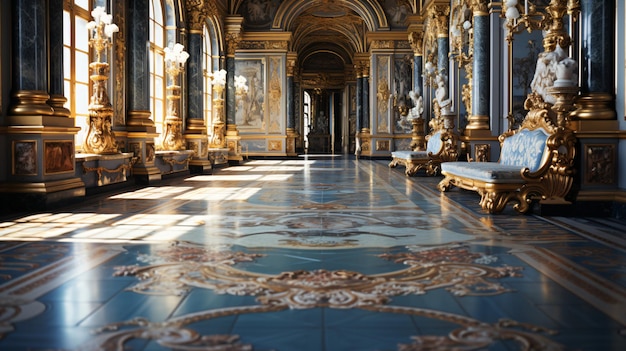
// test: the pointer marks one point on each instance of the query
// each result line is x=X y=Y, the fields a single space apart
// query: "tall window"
x=76 y=15
x=207 y=69
x=157 y=67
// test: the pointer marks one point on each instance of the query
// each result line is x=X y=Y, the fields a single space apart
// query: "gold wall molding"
x=264 y=41
x=263 y=45
x=120 y=171
x=388 y=40
x=171 y=161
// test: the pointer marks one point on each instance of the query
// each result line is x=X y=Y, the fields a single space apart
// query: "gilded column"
x=597 y=24
x=365 y=82
x=141 y=128
x=359 y=106
x=233 y=37
x=365 y=135
x=291 y=117
x=39 y=138
x=479 y=118
x=442 y=18
x=416 y=40
x=196 y=134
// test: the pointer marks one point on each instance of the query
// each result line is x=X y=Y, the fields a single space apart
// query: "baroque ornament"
x=451 y=266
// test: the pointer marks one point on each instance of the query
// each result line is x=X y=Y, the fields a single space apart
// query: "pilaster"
x=233 y=38
x=141 y=129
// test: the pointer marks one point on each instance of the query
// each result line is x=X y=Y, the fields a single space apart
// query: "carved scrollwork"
x=232 y=41
x=416 y=41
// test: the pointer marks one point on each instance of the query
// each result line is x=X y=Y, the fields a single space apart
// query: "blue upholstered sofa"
x=535 y=164
x=441 y=146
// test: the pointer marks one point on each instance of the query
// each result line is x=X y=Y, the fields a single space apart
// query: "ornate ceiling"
x=326 y=34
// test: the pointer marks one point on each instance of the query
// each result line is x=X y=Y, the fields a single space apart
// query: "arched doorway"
x=324 y=122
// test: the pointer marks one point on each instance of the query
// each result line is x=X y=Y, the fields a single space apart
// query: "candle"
x=525 y=7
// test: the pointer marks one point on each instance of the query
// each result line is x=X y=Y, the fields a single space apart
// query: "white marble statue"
x=418 y=105
x=441 y=94
x=545 y=72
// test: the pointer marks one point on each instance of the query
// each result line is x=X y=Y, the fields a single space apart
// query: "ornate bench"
x=441 y=146
x=535 y=164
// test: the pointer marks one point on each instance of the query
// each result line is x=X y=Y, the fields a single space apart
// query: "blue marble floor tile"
x=307 y=254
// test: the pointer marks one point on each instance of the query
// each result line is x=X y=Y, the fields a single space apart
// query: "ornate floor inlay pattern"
x=307 y=254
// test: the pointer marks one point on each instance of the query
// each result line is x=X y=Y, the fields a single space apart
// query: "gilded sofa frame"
x=550 y=183
x=429 y=161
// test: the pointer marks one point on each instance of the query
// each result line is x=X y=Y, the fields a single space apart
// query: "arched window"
x=76 y=15
x=157 y=66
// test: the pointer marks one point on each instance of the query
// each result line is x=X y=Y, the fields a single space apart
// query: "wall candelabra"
x=175 y=59
x=100 y=137
x=218 y=138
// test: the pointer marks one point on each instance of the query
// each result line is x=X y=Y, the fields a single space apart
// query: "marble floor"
x=312 y=253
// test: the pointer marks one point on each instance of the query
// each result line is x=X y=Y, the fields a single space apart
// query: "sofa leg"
x=495 y=202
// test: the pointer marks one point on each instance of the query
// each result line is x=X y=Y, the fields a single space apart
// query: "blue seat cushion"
x=433 y=146
x=490 y=172
x=410 y=155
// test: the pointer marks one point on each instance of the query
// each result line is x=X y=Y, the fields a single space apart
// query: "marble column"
x=231 y=95
x=291 y=117
x=56 y=82
x=29 y=59
x=443 y=51
x=39 y=139
x=359 y=100
x=196 y=135
x=195 y=83
x=418 y=79
x=297 y=112
x=442 y=19
x=141 y=128
x=479 y=117
x=597 y=22
x=365 y=82
x=233 y=139
x=418 y=137
x=291 y=120
x=442 y=13
x=138 y=92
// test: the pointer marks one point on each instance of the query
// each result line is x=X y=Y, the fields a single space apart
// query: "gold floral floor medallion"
x=454 y=268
